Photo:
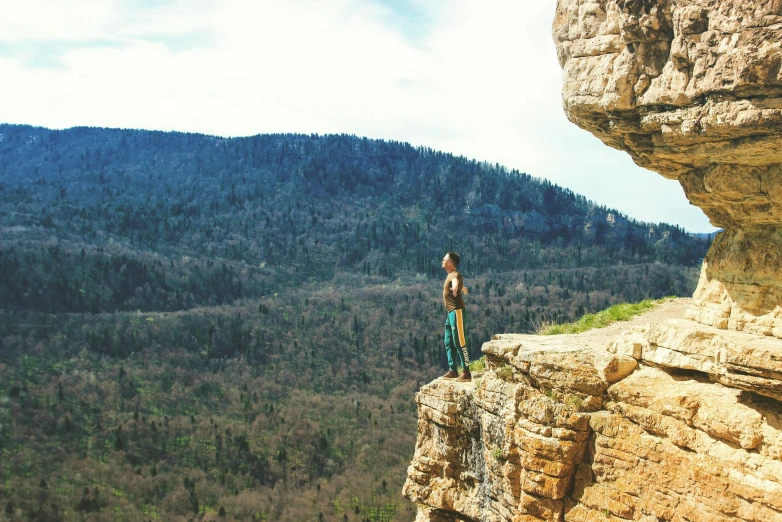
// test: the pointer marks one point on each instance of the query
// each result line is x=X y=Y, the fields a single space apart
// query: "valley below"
x=193 y=326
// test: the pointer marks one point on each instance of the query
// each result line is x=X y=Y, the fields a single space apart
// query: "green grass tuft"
x=612 y=314
x=504 y=372
x=479 y=365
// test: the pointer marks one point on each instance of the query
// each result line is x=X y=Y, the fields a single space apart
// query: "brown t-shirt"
x=453 y=303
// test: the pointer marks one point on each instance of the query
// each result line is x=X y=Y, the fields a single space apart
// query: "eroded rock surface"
x=649 y=420
x=692 y=89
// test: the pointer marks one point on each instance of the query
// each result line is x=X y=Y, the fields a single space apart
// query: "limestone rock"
x=749 y=362
x=693 y=90
x=648 y=420
x=614 y=368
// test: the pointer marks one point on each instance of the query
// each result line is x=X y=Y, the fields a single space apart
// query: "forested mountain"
x=190 y=322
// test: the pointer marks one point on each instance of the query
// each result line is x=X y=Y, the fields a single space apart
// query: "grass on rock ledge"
x=612 y=314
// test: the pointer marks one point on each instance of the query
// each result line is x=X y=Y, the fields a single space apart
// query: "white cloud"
x=480 y=80
x=55 y=20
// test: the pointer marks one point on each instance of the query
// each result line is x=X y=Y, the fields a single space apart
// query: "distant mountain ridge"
x=306 y=205
x=278 y=209
x=338 y=165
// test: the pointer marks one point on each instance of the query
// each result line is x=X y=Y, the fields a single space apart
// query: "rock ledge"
x=656 y=419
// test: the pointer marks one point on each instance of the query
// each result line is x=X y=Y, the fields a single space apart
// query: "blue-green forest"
x=195 y=326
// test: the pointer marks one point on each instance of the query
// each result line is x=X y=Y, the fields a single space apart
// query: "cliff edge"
x=629 y=422
x=676 y=415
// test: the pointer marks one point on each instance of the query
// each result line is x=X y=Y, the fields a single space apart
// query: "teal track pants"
x=456 y=340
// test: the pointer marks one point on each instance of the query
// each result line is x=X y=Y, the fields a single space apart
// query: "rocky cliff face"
x=627 y=423
x=678 y=415
x=692 y=89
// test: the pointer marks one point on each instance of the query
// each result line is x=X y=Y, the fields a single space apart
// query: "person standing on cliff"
x=455 y=336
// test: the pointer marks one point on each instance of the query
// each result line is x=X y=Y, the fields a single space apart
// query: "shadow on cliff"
x=745 y=262
x=584 y=475
x=770 y=409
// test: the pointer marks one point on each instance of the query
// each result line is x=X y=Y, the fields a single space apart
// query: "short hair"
x=453 y=256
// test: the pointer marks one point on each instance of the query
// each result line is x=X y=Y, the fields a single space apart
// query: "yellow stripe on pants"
x=460 y=328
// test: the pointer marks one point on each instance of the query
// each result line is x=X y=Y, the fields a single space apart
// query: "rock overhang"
x=678 y=85
x=692 y=89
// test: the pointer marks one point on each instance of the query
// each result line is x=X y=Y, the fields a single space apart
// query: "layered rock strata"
x=692 y=89
x=659 y=419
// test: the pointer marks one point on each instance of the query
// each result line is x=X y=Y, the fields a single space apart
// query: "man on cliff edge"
x=455 y=336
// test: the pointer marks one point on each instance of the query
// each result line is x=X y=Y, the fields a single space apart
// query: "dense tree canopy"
x=190 y=323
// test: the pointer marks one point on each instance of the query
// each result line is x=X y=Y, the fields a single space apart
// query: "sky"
x=477 y=79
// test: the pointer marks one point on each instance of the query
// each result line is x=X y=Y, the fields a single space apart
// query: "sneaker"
x=464 y=377
x=450 y=375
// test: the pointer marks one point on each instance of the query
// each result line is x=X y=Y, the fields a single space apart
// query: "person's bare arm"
x=455 y=286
